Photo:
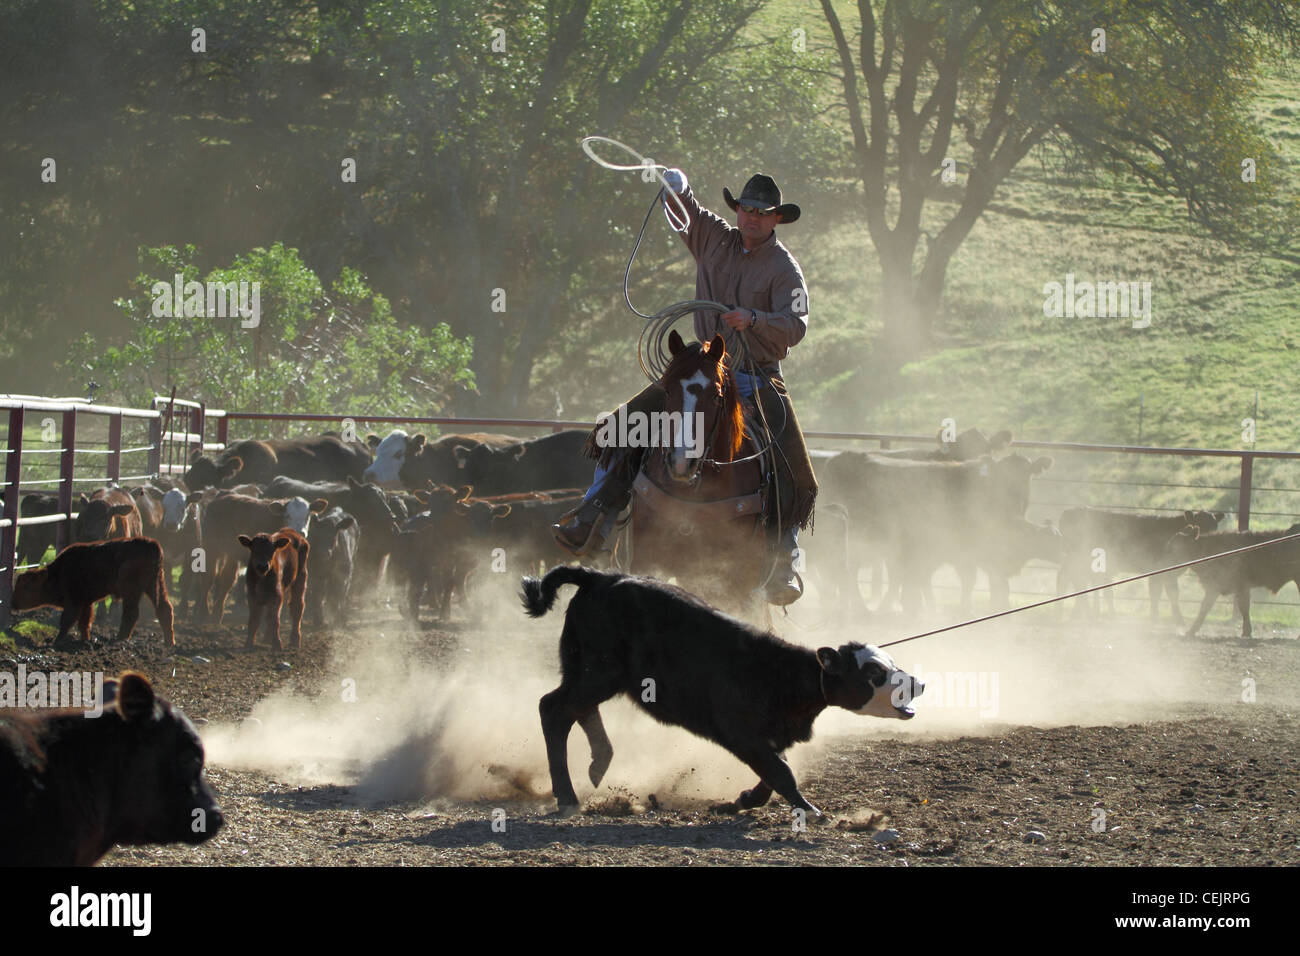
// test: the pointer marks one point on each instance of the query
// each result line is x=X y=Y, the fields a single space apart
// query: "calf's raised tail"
x=539 y=593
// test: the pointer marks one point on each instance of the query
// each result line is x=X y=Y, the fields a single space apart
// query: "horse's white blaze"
x=388 y=459
x=681 y=465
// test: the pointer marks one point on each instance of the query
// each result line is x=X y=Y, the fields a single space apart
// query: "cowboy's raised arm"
x=705 y=228
x=786 y=326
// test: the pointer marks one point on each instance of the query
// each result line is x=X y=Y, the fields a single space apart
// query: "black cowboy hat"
x=762 y=191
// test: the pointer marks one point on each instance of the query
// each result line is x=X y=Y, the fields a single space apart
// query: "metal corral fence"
x=48 y=447
x=68 y=446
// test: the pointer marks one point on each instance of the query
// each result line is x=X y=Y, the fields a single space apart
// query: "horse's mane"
x=731 y=430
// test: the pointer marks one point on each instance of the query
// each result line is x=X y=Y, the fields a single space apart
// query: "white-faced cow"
x=412 y=461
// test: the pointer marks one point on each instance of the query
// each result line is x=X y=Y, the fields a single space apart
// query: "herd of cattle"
x=964 y=504
x=71 y=787
x=344 y=514
x=424 y=515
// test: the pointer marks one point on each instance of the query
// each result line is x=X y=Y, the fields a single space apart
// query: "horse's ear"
x=717 y=348
x=675 y=343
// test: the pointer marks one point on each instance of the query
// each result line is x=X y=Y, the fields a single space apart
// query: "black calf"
x=686 y=664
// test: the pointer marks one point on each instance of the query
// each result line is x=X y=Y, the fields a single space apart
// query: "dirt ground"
x=1117 y=743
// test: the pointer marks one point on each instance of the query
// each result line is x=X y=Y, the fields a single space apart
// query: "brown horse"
x=701 y=519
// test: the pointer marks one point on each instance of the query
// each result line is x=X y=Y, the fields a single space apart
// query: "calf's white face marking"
x=679 y=464
x=893 y=695
x=390 y=453
x=297 y=513
x=173 y=505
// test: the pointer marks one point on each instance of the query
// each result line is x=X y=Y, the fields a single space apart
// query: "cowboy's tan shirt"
x=767 y=280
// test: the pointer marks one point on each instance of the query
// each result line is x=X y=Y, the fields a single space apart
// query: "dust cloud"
x=460 y=723
x=461 y=729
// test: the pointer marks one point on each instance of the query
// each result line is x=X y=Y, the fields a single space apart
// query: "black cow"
x=429 y=548
x=1130 y=542
x=35 y=540
x=325 y=458
x=334 y=537
x=917 y=513
x=73 y=785
x=689 y=665
x=1271 y=567
x=1001 y=550
x=552 y=461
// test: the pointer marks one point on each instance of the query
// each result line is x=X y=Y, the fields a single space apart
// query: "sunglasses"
x=755 y=210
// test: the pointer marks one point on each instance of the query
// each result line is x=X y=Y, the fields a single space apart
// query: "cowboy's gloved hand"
x=741 y=318
x=676 y=180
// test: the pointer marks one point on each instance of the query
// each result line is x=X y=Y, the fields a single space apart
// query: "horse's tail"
x=539 y=593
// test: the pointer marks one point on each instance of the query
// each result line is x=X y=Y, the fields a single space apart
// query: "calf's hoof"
x=566 y=810
x=599 y=764
x=731 y=809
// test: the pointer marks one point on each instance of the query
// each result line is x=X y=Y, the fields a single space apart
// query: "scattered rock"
x=201 y=660
x=885 y=837
x=1035 y=836
x=284 y=666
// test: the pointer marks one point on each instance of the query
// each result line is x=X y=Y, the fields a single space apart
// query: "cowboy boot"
x=584 y=529
x=783 y=586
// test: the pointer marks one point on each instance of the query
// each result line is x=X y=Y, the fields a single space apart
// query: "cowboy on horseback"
x=747 y=267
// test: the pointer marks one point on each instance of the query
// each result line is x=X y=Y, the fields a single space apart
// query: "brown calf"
x=276 y=564
x=225 y=517
x=107 y=514
x=72 y=784
x=85 y=573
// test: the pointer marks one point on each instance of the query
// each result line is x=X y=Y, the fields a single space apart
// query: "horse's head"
x=702 y=395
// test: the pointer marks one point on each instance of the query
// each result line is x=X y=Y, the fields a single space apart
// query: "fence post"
x=155 y=439
x=223 y=430
x=197 y=421
x=9 y=534
x=63 y=534
x=115 y=447
x=1243 y=492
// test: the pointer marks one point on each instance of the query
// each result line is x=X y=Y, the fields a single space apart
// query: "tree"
x=306 y=349
x=463 y=121
x=1155 y=90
